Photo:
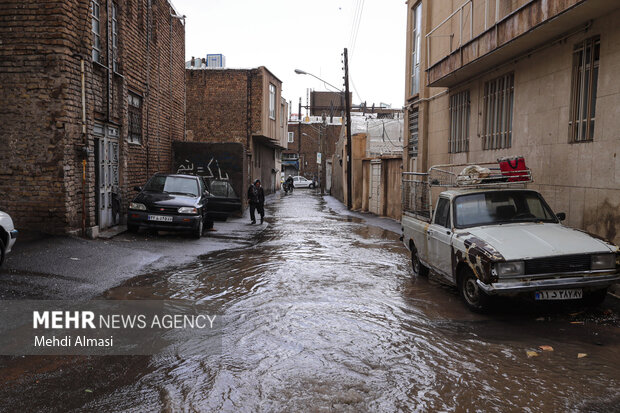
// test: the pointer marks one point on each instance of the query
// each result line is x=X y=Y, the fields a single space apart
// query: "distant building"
x=240 y=106
x=534 y=78
x=91 y=97
x=377 y=149
x=306 y=138
x=212 y=61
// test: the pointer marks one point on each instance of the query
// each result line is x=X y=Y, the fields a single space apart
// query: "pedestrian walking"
x=256 y=198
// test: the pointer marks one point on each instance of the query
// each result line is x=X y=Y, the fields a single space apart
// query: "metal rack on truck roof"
x=417 y=186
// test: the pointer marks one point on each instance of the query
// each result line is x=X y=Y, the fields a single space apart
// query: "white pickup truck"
x=491 y=237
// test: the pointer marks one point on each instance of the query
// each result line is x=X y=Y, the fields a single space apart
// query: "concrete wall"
x=358 y=153
x=581 y=179
x=391 y=179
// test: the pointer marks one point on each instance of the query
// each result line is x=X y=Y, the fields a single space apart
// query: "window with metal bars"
x=498 y=104
x=459 y=122
x=134 y=110
x=96 y=28
x=583 y=90
x=413 y=132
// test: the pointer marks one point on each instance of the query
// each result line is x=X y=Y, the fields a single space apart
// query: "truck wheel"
x=418 y=268
x=594 y=298
x=476 y=299
x=2 y=248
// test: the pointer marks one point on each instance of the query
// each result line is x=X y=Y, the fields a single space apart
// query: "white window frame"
x=416 y=41
x=291 y=137
x=96 y=30
x=498 y=104
x=272 y=101
x=459 y=122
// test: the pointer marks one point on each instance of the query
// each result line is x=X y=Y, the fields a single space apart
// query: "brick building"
x=303 y=145
x=91 y=97
x=240 y=106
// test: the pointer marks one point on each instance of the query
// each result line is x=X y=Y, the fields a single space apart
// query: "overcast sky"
x=284 y=35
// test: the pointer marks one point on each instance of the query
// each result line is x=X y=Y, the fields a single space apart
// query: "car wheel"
x=2 y=252
x=311 y=186
x=419 y=269
x=594 y=298
x=476 y=299
x=132 y=228
x=198 y=230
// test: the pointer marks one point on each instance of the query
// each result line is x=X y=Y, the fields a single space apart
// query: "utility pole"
x=299 y=137
x=347 y=100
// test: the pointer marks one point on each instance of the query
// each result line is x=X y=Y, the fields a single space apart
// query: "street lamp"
x=348 y=114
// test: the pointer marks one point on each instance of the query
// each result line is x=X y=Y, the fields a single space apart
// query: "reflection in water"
x=323 y=314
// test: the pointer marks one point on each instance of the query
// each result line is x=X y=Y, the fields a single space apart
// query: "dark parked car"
x=223 y=200
x=171 y=202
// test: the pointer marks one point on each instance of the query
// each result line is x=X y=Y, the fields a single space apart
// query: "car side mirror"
x=137 y=188
x=561 y=216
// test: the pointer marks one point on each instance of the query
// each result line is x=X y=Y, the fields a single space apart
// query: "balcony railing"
x=494 y=12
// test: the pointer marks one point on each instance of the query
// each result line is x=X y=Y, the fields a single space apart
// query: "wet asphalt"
x=322 y=313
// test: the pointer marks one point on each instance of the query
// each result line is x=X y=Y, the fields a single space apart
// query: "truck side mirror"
x=561 y=216
x=137 y=188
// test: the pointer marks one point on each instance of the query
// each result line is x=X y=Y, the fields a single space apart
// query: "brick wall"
x=308 y=146
x=41 y=142
x=218 y=105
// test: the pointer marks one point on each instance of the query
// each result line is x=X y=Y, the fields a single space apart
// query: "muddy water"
x=323 y=314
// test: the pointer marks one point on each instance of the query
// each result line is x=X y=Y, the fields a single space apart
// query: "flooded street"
x=322 y=313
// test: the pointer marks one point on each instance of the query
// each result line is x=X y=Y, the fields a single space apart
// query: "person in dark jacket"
x=256 y=198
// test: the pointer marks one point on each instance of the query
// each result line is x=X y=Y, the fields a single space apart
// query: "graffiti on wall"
x=188 y=167
x=221 y=161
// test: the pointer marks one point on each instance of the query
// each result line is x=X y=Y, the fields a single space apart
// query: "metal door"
x=107 y=175
x=375 y=187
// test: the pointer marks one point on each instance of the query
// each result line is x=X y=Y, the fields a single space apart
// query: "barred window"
x=583 y=90
x=498 y=103
x=413 y=132
x=135 y=118
x=96 y=31
x=114 y=38
x=459 y=122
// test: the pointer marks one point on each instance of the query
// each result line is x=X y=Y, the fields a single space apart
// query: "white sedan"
x=8 y=235
x=301 y=182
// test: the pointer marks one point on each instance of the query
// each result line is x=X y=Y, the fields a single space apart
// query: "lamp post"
x=348 y=125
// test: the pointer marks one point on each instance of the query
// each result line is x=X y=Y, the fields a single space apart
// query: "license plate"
x=161 y=218
x=575 y=294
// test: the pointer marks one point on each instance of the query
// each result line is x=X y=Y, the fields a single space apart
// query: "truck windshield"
x=501 y=207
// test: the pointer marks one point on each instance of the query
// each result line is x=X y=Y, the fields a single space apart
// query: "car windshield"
x=173 y=185
x=501 y=207
x=221 y=188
